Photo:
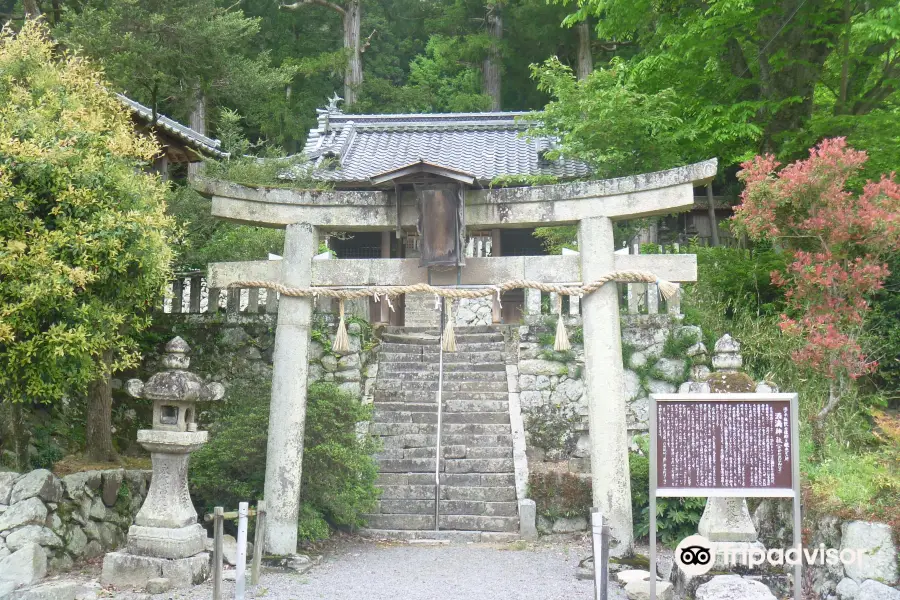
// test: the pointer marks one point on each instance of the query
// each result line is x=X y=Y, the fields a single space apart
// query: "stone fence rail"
x=188 y=293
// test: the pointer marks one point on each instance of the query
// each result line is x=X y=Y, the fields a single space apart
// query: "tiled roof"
x=192 y=139
x=353 y=148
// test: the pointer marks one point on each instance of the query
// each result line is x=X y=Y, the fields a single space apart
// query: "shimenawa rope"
x=341 y=342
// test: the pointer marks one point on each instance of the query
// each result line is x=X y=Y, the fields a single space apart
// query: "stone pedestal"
x=727 y=520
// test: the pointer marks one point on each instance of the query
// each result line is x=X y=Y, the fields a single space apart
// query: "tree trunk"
x=32 y=10
x=585 y=60
x=16 y=434
x=713 y=224
x=841 y=106
x=198 y=124
x=353 y=75
x=791 y=65
x=98 y=429
x=490 y=70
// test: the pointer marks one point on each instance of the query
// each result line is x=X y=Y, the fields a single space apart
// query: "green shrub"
x=676 y=518
x=338 y=470
x=560 y=494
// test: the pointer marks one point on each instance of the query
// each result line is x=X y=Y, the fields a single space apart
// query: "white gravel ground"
x=356 y=569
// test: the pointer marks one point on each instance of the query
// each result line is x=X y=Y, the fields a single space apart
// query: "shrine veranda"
x=593 y=206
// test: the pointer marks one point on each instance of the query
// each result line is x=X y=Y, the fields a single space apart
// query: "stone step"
x=428 y=375
x=457 y=522
x=431 y=357
x=394 y=429
x=429 y=440
x=421 y=339
x=426 y=492
x=419 y=397
x=385 y=416
x=407 y=366
x=448 y=465
x=448 y=507
x=458 y=480
x=404 y=330
x=449 y=451
x=406 y=385
x=417 y=536
x=461 y=346
x=449 y=406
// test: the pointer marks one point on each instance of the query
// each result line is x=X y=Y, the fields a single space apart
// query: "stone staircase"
x=478 y=493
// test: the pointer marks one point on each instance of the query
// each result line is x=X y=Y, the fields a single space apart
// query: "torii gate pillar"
x=604 y=381
x=287 y=412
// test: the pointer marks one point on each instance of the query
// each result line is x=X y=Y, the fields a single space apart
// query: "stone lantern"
x=166 y=543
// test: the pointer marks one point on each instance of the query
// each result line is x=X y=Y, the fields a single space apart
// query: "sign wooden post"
x=258 y=541
x=724 y=445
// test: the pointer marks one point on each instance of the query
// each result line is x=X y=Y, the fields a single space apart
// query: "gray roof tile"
x=487 y=145
x=197 y=141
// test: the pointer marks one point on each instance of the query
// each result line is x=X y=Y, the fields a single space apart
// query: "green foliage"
x=207 y=239
x=606 y=122
x=676 y=345
x=552 y=428
x=881 y=338
x=338 y=470
x=676 y=518
x=554 y=239
x=523 y=180
x=560 y=495
x=77 y=218
x=166 y=52
x=311 y=525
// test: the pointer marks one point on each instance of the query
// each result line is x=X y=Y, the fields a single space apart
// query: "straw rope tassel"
x=561 y=344
x=667 y=289
x=341 y=339
x=449 y=337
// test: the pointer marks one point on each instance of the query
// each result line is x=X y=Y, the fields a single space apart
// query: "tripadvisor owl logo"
x=695 y=555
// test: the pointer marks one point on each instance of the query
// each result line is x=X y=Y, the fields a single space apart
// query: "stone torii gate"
x=593 y=206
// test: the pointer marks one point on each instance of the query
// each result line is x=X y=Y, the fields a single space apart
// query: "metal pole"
x=437 y=443
x=258 y=541
x=653 y=408
x=795 y=472
x=218 y=523
x=600 y=542
x=241 y=560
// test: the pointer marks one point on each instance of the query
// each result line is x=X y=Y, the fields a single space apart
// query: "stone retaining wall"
x=79 y=516
x=876 y=577
x=551 y=384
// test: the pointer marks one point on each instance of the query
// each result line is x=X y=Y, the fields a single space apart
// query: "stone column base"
x=163 y=542
x=123 y=570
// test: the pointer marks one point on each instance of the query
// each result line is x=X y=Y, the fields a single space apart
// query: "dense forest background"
x=681 y=80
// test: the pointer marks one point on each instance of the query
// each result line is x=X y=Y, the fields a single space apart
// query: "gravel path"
x=366 y=570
